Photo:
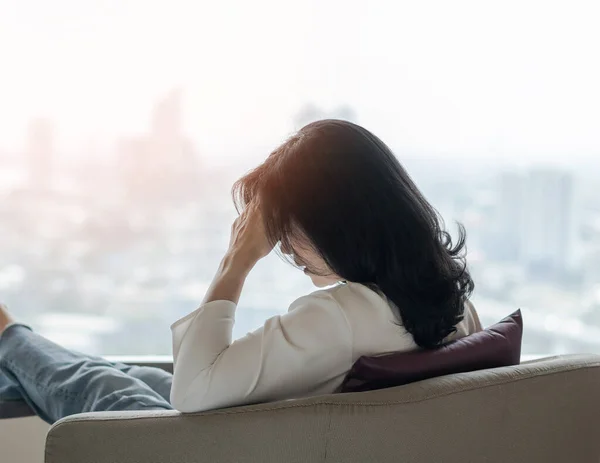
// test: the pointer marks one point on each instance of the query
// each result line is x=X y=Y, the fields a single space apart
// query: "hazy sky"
x=476 y=78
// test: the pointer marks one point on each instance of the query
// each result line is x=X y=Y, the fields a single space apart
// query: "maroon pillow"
x=497 y=346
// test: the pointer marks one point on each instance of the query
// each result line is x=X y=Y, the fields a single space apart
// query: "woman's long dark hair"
x=341 y=187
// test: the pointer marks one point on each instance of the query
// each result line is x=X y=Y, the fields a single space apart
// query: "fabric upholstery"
x=543 y=411
x=496 y=346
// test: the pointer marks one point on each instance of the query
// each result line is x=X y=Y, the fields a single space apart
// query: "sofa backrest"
x=542 y=411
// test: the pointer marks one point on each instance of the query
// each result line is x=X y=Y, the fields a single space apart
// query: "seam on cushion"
x=343 y=404
x=533 y=361
x=327 y=435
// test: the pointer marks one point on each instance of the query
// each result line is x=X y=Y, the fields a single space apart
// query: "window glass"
x=124 y=123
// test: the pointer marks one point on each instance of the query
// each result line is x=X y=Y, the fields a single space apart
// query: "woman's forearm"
x=247 y=245
x=229 y=280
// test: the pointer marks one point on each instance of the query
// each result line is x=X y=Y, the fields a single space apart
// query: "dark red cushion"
x=497 y=346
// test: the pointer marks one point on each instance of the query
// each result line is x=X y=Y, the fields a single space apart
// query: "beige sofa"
x=543 y=411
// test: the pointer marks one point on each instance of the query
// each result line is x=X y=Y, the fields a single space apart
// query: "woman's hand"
x=248 y=243
x=5 y=318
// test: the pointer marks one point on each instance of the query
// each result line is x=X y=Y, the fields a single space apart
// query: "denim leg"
x=9 y=390
x=157 y=379
x=57 y=382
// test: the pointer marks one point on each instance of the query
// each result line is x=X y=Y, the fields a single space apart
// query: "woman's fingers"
x=248 y=237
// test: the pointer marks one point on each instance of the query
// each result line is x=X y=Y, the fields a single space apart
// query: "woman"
x=340 y=205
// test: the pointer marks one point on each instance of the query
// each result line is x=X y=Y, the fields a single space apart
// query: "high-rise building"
x=161 y=165
x=537 y=222
x=549 y=222
x=39 y=154
x=345 y=112
x=510 y=217
x=311 y=113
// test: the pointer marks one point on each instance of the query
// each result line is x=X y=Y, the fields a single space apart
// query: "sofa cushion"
x=496 y=346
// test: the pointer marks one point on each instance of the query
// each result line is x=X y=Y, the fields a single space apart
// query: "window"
x=124 y=123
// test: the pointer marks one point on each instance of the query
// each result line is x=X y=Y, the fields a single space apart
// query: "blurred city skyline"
x=103 y=252
x=123 y=124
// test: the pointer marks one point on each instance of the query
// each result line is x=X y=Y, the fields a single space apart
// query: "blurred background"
x=124 y=123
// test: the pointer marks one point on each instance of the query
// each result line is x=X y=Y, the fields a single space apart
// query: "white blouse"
x=307 y=351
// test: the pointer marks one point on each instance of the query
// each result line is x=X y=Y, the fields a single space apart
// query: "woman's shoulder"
x=320 y=297
x=345 y=296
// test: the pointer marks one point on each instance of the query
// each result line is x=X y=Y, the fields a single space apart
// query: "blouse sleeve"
x=288 y=355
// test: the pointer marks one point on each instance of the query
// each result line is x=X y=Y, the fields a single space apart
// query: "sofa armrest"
x=521 y=413
x=265 y=433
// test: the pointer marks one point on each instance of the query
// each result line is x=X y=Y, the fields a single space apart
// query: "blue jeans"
x=57 y=382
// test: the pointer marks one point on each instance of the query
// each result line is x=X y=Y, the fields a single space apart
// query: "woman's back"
x=371 y=328
x=375 y=328
x=307 y=351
